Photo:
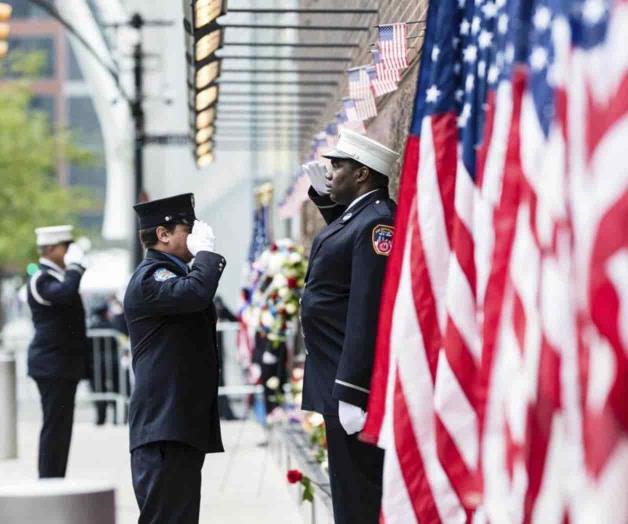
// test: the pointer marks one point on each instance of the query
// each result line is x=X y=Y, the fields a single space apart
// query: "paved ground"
x=241 y=486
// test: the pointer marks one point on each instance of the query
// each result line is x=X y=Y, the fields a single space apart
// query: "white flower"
x=291 y=308
x=267 y=319
x=284 y=292
x=279 y=281
x=316 y=419
x=295 y=258
x=297 y=373
x=274 y=263
x=263 y=260
x=272 y=383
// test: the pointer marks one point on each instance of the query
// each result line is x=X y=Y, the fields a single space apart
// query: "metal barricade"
x=110 y=370
x=111 y=374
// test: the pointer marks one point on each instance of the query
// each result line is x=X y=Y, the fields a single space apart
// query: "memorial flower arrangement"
x=275 y=300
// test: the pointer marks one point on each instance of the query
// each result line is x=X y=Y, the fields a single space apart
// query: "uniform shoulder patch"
x=163 y=274
x=383 y=239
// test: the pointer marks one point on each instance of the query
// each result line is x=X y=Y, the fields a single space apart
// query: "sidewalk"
x=241 y=486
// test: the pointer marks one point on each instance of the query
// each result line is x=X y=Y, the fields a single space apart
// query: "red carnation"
x=292 y=282
x=274 y=247
x=294 y=476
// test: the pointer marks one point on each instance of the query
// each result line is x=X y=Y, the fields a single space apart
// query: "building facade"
x=60 y=92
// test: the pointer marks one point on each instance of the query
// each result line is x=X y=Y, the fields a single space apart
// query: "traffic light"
x=5 y=28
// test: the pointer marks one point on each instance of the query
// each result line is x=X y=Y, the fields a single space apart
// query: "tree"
x=30 y=151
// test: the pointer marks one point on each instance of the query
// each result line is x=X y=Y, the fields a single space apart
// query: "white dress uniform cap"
x=49 y=236
x=364 y=150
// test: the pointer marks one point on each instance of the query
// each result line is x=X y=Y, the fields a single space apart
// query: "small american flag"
x=331 y=134
x=380 y=87
x=350 y=109
x=392 y=45
x=366 y=107
x=383 y=72
x=261 y=236
x=343 y=122
x=319 y=144
x=358 y=82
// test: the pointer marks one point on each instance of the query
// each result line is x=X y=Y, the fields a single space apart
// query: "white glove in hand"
x=75 y=256
x=352 y=418
x=201 y=238
x=317 y=173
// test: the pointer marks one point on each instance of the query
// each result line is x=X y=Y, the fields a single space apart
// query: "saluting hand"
x=201 y=238
x=317 y=174
x=75 y=256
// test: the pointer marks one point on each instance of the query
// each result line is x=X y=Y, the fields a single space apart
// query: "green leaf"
x=308 y=490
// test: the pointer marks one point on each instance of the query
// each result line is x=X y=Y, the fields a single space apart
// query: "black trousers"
x=167 y=482
x=355 y=474
x=57 y=403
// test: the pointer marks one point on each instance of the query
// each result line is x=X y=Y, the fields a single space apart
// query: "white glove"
x=352 y=418
x=75 y=256
x=317 y=174
x=201 y=238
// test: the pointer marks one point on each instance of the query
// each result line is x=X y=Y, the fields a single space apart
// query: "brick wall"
x=391 y=124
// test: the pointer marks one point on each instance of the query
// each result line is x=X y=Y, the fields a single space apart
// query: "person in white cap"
x=57 y=355
x=339 y=314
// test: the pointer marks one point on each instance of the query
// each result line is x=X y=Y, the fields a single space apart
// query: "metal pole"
x=281 y=104
x=329 y=83
x=284 y=71
x=304 y=11
x=276 y=95
x=293 y=58
x=8 y=406
x=137 y=112
x=272 y=112
x=347 y=28
x=308 y=45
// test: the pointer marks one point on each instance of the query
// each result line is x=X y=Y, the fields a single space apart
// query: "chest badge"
x=347 y=217
x=383 y=239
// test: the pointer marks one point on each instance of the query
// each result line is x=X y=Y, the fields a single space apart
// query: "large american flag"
x=501 y=374
x=392 y=41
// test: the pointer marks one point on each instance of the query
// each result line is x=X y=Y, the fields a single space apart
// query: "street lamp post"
x=137 y=111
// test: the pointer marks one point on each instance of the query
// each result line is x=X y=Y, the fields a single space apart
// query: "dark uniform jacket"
x=172 y=326
x=59 y=347
x=340 y=304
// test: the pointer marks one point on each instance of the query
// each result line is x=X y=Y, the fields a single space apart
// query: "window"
x=44 y=45
x=45 y=104
x=25 y=9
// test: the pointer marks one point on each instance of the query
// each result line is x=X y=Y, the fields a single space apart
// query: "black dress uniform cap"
x=178 y=209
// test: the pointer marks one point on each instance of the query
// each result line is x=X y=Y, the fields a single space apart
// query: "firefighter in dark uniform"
x=339 y=314
x=57 y=355
x=173 y=414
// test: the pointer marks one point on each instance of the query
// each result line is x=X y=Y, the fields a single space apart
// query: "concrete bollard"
x=8 y=407
x=58 y=501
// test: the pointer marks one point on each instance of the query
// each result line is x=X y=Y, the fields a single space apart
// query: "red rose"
x=274 y=247
x=294 y=476
x=292 y=282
